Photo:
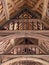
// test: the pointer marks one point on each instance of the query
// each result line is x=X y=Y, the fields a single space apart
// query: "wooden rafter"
x=6 y=9
x=37 y=5
x=13 y=4
x=2 y=14
x=45 y=5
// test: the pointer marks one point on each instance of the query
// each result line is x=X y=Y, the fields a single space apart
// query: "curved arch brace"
x=3 y=10
x=24 y=59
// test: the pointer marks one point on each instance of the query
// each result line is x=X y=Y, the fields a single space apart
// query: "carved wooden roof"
x=8 y=8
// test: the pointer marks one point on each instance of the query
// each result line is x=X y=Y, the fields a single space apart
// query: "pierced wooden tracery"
x=25 y=46
x=25 y=24
x=26 y=50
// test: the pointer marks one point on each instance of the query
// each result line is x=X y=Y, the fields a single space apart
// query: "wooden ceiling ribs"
x=45 y=5
x=8 y=8
x=5 y=6
x=40 y=35
x=13 y=6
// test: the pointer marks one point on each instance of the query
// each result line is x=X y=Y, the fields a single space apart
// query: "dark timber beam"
x=4 y=35
x=7 y=32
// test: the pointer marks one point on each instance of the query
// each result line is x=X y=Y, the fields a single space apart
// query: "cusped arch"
x=26 y=59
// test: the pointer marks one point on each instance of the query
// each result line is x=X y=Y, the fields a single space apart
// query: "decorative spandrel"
x=26 y=47
x=25 y=20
